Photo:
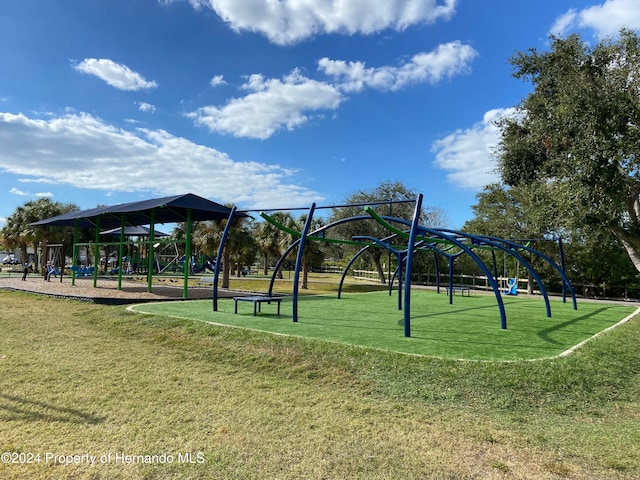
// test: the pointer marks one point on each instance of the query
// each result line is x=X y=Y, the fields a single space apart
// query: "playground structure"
x=446 y=242
x=187 y=208
x=405 y=238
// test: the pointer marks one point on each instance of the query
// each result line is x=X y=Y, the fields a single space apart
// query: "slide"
x=209 y=265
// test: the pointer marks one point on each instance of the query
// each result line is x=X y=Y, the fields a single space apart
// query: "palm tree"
x=19 y=233
x=206 y=238
x=243 y=246
x=313 y=255
x=40 y=209
x=272 y=241
x=238 y=245
x=13 y=235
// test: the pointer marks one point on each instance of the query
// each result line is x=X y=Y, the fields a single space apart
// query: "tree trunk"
x=24 y=254
x=630 y=243
x=45 y=250
x=305 y=276
x=226 y=267
x=381 y=276
x=266 y=268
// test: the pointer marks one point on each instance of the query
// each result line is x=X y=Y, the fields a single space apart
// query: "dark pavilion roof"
x=171 y=209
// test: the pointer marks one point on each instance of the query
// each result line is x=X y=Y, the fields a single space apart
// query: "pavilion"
x=187 y=208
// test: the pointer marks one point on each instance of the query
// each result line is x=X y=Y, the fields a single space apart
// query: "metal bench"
x=459 y=289
x=257 y=300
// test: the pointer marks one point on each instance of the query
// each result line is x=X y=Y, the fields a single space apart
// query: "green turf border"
x=468 y=329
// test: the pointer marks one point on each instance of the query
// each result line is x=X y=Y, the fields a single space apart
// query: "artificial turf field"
x=467 y=329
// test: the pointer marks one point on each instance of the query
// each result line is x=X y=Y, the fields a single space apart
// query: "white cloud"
x=217 y=80
x=271 y=106
x=286 y=22
x=82 y=151
x=115 y=74
x=146 y=107
x=444 y=62
x=467 y=154
x=605 y=19
x=44 y=194
x=276 y=104
x=564 y=23
x=16 y=191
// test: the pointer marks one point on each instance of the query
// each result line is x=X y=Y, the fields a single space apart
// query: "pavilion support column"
x=96 y=254
x=74 y=256
x=121 y=253
x=187 y=257
x=152 y=237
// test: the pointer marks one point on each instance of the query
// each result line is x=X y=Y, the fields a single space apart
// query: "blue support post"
x=451 y=260
x=216 y=270
x=400 y=280
x=437 y=265
x=562 y=266
x=296 y=274
x=407 y=278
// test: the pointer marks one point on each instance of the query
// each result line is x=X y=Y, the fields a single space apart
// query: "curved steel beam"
x=299 y=260
x=216 y=269
x=545 y=257
x=462 y=246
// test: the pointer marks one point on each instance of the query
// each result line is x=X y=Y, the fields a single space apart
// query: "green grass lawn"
x=469 y=328
x=78 y=378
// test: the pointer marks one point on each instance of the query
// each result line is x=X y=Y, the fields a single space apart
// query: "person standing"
x=25 y=271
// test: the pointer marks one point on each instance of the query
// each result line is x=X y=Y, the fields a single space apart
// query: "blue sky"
x=266 y=103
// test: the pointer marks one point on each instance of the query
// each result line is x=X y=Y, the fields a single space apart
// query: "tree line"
x=569 y=166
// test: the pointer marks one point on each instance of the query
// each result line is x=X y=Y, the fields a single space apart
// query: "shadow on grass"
x=545 y=334
x=18 y=408
x=454 y=310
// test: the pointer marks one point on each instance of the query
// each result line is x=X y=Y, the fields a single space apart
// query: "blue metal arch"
x=459 y=244
x=487 y=272
x=399 y=257
x=414 y=234
x=216 y=270
x=492 y=242
x=545 y=257
x=518 y=257
x=289 y=249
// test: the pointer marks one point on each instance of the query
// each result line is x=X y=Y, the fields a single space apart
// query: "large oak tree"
x=577 y=136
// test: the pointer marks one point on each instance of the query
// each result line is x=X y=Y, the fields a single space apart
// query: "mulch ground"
x=106 y=291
